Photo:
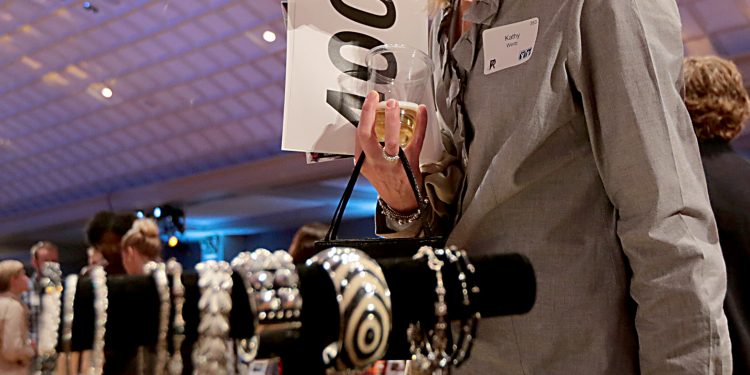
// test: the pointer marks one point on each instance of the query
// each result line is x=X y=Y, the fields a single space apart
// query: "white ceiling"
x=198 y=94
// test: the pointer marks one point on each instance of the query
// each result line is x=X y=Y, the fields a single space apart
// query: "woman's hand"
x=388 y=177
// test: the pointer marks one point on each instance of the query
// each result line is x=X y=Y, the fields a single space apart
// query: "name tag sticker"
x=509 y=45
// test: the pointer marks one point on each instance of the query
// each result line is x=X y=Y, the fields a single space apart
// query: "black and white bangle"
x=365 y=310
x=212 y=352
x=178 y=324
x=159 y=273
x=49 y=318
x=101 y=303
x=71 y=284
x=429 y=348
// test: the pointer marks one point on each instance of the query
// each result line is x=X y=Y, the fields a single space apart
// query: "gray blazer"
x=584 y=160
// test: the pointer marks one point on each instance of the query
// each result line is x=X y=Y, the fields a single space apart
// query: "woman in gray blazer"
x=582 y=158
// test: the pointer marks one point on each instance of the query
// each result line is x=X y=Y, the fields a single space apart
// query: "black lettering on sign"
x=373 y=20
x=343 y=103
x=353 y=38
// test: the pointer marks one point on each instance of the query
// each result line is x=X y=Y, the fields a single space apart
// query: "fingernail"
x=391 y=103
x=372 y=94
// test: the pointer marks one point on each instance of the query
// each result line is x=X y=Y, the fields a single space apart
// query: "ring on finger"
x=390 y=158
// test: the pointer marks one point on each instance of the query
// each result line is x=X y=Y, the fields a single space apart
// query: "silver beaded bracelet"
x=101 y=303
x=71 y=284
x=365 y=311
x=178 y=324
x=49 y=318
x=212 y=352
x=401 y=219
x=429 y=348
x=159 y=273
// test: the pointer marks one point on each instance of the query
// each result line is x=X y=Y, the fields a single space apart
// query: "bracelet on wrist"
x=401 y=219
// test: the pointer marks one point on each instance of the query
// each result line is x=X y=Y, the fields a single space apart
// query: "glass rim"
x=404 y=47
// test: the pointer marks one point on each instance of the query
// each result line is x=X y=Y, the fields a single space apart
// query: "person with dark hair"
x=16 y=350
x=104 y=232
x=303 y=242
x=719 y=106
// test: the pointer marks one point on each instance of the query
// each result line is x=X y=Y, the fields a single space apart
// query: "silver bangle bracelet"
x=71 y=284
x=401 y=219
x=49 y=318
x=212 y=353
x=159 y=273
x=365 y=312
x=178 y=324
x=101 y=303
x=461 y=348
x=429 y=349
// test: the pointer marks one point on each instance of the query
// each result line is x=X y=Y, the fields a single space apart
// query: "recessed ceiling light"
x=269 y=36
x=106 y=92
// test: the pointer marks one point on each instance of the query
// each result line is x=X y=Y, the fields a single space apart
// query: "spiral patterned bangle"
x=159 y=273
x=178 y=324
x=49 y=319
x=101 y=303
x=71 y=284
x=365 y=311
x=212 y=353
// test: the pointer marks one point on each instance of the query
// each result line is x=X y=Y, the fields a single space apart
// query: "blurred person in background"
x=104 y=232
x=140 y=245
x=94 y=258
x=719 y=106
x=303 y=242
x=16 y=350
x=41 y=253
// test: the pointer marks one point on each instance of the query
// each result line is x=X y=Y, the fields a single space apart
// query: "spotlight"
x=90 y=7
x=269 y=36
x=140 y=214
x=173 y=241
x=106 y=92
x=157 y=212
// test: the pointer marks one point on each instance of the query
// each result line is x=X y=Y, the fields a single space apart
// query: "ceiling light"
x=106 y=92
x=269 y=36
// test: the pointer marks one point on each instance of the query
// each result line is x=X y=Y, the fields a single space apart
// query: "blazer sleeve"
x=15 y=346
x=625 y=60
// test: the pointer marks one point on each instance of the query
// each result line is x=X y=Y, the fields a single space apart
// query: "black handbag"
x=380 y=247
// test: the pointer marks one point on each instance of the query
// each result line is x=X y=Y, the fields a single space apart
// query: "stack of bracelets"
x=271 y=282
x=272 y=288
x=49 y=318
x=429 y=348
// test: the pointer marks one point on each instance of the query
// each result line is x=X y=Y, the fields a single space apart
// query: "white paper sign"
x=327 y=41
x=510 y=45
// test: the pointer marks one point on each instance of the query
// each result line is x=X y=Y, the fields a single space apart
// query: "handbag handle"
x=339 y=213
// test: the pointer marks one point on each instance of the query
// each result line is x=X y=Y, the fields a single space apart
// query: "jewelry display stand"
x=507 y=285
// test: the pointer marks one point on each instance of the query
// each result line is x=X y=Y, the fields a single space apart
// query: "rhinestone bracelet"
x=429 y=349
x=401 y=219
x=461 y=348
x=212 y=353
x=101 y=303
x=159 y=273
x=49 y=318
x=178 y=324
x=71 y=283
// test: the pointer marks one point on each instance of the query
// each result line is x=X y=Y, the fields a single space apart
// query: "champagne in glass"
x=404 y=74
x=408 y=121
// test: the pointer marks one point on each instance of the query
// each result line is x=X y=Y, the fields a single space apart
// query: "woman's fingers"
x=366 y=139
x=392 y=127
x=420 y=129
